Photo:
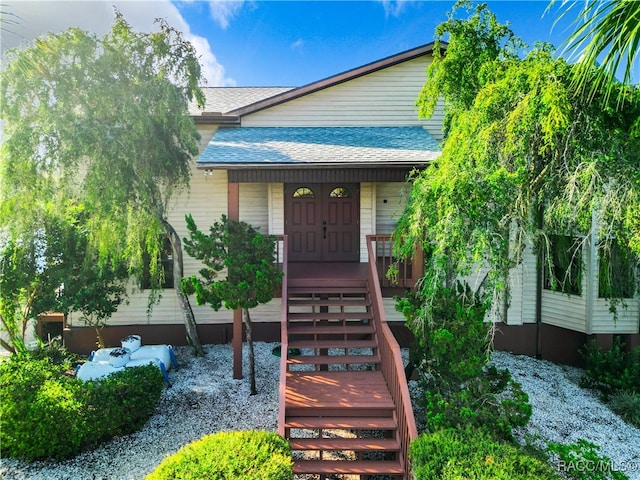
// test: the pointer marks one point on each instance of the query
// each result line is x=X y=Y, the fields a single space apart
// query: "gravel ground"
x=204 y=399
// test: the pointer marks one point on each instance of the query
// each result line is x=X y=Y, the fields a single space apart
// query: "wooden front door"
x=322 y=222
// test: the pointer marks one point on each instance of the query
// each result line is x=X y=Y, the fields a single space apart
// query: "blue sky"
x=275 y=42
x=292 y=43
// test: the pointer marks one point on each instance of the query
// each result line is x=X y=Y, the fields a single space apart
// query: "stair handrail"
x=284 y=336
x=391 y=360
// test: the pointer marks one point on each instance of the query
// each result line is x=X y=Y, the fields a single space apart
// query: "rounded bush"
x=470 y=453
x=237 y=455
x=47 y=413
x=41 y=413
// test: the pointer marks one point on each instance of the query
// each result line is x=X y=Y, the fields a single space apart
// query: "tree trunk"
x=100 y=337
x=252 y=359
x=178 y=271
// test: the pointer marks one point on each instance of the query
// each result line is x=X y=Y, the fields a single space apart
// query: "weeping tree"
x=524 y=154
x=239 y=271
x=56 y=270
x=102 y=122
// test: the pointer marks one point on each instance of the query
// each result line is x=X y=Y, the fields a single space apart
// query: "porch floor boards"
x=329 y=274
x=337 y=391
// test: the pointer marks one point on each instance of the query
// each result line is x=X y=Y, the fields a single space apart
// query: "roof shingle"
x=319 y=146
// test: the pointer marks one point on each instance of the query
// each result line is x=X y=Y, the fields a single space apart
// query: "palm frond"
x=605 y=32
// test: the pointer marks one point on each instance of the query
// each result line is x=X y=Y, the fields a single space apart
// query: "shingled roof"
x=314 y=146
x=221 y=100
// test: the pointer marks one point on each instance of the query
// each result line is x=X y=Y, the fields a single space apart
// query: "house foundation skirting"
x=556 y=344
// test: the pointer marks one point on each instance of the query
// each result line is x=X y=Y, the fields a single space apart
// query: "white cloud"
x=393 y=7
x=297 y=44
x=36 y=18
x=222 y=11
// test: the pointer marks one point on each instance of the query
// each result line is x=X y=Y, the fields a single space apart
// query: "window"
x=166 y=262
x=304 y=192
x=340 y=192
x=563 y=265
x=616 y=278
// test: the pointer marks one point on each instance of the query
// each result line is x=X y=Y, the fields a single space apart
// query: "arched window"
x=340 y=192
x=304 y=192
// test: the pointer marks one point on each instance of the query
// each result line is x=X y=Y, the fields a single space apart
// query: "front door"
x=322 y=222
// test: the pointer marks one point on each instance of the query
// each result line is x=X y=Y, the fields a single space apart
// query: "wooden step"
x=330 y=316
x=333 y=359
x=338 y=343
x=362 y=393
x=342 y=423
x=347 y=444
x=328 y=283
x=333 y=291
x=331 y=329
x=362 y=467
x=329 y=302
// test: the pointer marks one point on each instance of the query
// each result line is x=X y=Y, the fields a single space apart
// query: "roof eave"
x=208 y=119
x=253 y=165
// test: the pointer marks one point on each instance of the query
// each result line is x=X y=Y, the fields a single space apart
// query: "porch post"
x=417 y=267
x=233 y=213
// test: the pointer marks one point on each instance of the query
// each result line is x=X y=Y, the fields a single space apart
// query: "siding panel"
x=382 y=98
x=254 y=205
x=390 y=202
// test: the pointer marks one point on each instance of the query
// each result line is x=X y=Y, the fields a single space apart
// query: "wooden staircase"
x=339 y=413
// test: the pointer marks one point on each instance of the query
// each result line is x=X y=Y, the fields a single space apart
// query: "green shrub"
x=611 y=370
x=42 y=412
x=122 y=402
x=627 y=405
x=581 y=461
x=472 y=453
x=492 y=400
x=451 y=353
x=47 y=413
x=245 y=455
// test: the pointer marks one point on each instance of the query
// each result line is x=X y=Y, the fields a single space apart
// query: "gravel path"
x=205 y=399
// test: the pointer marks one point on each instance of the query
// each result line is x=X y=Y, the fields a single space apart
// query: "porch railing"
x=405 y=272
x=284 y=336
x=391 y=359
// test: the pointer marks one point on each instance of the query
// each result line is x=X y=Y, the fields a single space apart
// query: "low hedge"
x=471 y=453
x=236 y=455
x=47 y=413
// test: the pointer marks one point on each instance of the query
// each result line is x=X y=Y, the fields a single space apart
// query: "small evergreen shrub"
x=611 y=370
x=452 y=454
x=581 y=461
x=451 y=353
x=492 y=400
x=47 y=413
x=627 y=405
x=239 y=455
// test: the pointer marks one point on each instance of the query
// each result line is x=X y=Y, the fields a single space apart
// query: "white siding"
x=522 y=282
x=627 y=320
x=206 y=202
x=367 y=217
x=383 y=98
x=562 y=310
x=254 y=205
x=390 y=202
x=276 y=208
x=390 y=310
